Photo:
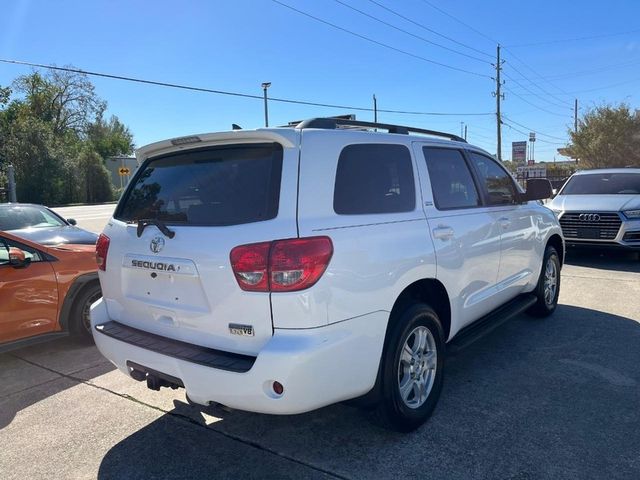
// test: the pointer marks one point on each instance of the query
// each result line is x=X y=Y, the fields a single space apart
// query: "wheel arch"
x=79 y=284
x=427 y=290
x=556 y=242
x=430 y=291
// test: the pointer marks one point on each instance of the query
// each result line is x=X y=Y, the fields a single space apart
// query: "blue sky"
x=236 y=45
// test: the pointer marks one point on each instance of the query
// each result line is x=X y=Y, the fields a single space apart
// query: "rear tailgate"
x=214 y=197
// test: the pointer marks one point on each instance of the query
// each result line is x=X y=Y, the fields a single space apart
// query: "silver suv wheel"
x=417 y=367
x=550 y=281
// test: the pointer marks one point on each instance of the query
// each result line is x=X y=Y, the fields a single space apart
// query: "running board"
x=490 y=322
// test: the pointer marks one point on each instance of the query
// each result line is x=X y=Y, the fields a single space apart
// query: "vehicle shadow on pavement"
x=614 y=260
x=32 y=374
x=537 y=398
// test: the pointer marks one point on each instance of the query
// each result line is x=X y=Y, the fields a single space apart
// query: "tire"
x=421 y=371
x=80 y=323
x=548 y=288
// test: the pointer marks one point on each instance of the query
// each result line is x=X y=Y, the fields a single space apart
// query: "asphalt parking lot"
x=552 y=398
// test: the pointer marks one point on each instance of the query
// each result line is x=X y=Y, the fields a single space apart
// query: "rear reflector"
x=102 y=248
x=282 y=265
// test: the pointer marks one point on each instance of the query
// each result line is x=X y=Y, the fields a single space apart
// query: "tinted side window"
x=374 y=179
x=451 y=180
x=497 y=182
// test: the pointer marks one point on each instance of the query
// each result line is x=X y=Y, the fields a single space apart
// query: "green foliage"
x=94 y=178
x=52 y=129
x=110 y=139
x=38 y=172
x=608 y=136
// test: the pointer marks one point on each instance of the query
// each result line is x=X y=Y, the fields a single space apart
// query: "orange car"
x=45 y=292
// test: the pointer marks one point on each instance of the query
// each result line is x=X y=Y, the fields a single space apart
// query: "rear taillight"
x=102 y=248
x=250 y=265
x=281 y=266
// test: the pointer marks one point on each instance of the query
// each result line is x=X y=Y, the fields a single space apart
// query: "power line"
x=371 y=40
x=550 y=42
x=488 y=38
x=409 y=33
x=534 y=130
x=538 y=86
x=234 y=94
x=583 y=73
x=535 y=72
x=636 y=80
x=533 y=104
x=526 y=134
x=429 y=29
x=459 y=21
x=521 y=61
x=531 y=92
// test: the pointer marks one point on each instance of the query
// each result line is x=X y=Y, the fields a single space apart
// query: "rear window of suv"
x=228 y=185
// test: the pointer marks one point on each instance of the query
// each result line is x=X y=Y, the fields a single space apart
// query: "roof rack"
x=332 y=123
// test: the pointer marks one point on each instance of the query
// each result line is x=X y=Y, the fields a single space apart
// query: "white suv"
x=281 y=270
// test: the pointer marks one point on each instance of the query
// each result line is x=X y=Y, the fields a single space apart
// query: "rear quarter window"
x=229 y=185
x=374 y=178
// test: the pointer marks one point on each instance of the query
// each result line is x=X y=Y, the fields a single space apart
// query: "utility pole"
x=375 y=109
x=575 y=116
x=499 y=97
x=465 y=133
x=266 y=85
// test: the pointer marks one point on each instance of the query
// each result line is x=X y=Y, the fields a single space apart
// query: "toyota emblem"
x=589 y=217
x=157 y=244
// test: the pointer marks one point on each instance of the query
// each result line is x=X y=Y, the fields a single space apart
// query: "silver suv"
x=600 y=208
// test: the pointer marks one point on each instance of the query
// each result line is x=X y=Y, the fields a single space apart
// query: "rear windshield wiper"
x=144 y=222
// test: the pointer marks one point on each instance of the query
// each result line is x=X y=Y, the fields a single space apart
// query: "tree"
x=608 y=136
x=38 y=171
x=94 y=178
x=110 y=139
x=52 y=129
x=67 y=100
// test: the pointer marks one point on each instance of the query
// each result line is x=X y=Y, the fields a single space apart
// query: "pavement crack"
x=189 y=420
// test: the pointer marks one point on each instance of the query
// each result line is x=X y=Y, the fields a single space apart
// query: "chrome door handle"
x=443 y=232
x=504 y=222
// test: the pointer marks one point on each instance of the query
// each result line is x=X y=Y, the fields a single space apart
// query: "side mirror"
x=71 y=221
x=538 y=189
x=17 y=258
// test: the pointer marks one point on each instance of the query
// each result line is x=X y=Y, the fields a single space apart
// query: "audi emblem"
x=589 y=217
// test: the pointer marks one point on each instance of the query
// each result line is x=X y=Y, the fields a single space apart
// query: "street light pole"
x=266 y=85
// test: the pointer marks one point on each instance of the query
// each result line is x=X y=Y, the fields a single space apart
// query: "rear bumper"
x=316 y=366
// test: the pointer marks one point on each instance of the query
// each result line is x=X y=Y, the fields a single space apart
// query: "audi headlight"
x=632 y=214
